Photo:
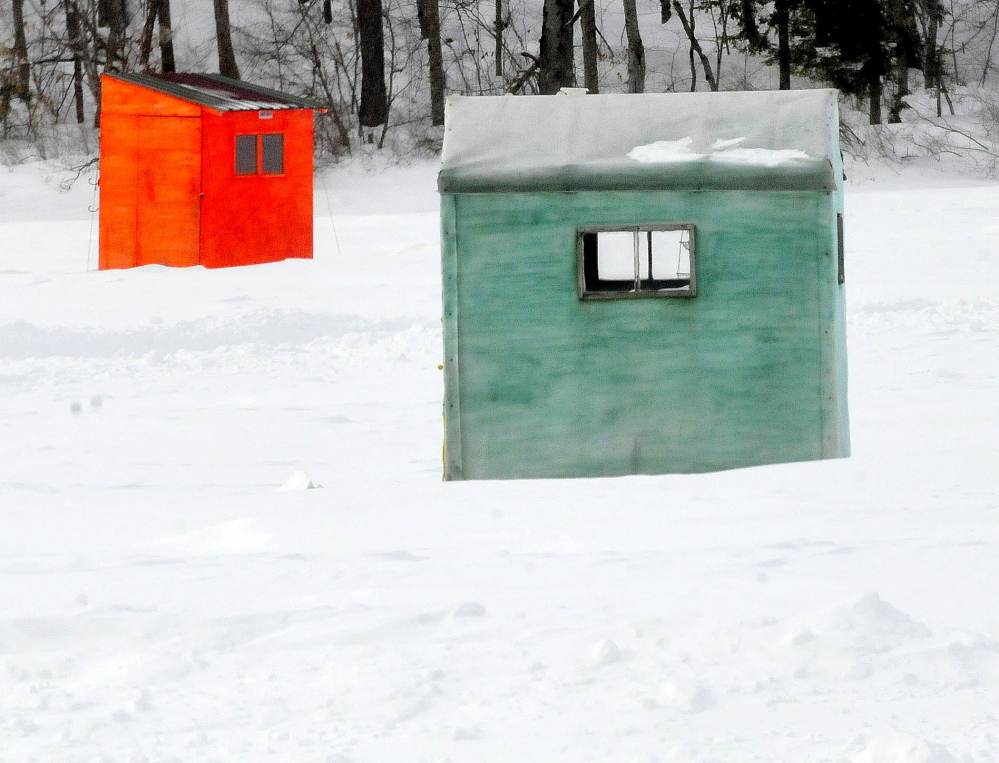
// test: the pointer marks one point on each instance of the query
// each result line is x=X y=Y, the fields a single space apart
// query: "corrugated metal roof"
x=218 y=92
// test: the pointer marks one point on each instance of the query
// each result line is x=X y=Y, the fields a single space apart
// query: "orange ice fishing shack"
x=200 y=169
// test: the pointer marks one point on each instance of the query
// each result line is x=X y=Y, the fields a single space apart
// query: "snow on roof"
x=218 y=92
x=774 y=140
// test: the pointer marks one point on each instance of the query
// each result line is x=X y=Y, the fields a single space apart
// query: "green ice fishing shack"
x=642 y=284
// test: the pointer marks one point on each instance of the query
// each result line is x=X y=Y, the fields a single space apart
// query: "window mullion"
x=637 y=255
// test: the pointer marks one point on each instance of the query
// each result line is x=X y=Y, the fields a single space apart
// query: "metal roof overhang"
x=222 y=99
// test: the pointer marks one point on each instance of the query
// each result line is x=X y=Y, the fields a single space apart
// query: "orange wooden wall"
x=169 y=190
x=247 y=219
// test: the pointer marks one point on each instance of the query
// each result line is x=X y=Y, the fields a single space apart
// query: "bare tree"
x=77 y=50
x=636 y=49
x=695 y=47
x=499 y=24
x=22 y=78
x=370 y=37
x=223 y=33
x=588 y=32
x=556 y=67
x=430 y=29
x=114 y=15
x=146 y=39
x=167 y=63
x=782 y=16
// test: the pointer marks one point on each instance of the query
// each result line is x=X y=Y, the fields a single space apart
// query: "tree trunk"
x=588 y=30
x=498 y=26
x=636 y=49
x=750 y=29
x=556 y=68
x=22 y=79
x=695 y=48
x=167 y=63
x=146 y=39
x=430 y=29
x=783 y=18
x=874 y=92
x=931 y=54
x=903 y=31
x=901 y=90
x=76 y=47
x=374 y=95
x=223 y=33
x=114 y=15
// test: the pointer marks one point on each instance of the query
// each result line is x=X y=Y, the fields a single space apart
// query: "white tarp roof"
x=776 y=140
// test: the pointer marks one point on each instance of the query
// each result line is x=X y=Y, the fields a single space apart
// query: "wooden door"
x=168 y=221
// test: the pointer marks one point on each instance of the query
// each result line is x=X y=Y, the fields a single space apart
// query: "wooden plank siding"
x=118 y=188
x=168 y=191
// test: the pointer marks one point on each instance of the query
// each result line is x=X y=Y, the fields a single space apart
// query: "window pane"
x=616 y=256
x=246 y=154
x=273 y=155
x=665 y=260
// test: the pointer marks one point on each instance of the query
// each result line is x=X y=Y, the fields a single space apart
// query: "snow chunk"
x=687 y=698
x=721 y=143
x=467 y=733
x=605 y=652
x=761 y=157
x=665 y=152
x=674 y=151
x=298 y=481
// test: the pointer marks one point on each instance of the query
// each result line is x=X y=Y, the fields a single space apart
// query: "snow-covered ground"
x=161 y=599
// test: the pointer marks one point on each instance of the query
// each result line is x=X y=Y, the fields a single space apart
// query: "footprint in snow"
x=468 y=609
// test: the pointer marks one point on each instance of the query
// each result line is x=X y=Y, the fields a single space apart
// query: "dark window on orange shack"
x=272 y=155
x=246 y=154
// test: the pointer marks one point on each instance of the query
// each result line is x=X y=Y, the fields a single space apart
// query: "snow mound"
x=899 y=749
x=868 y=625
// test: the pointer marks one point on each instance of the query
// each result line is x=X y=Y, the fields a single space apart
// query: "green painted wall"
x=540 y=384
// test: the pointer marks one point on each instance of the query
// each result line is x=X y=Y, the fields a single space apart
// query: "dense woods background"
x=384 y=67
